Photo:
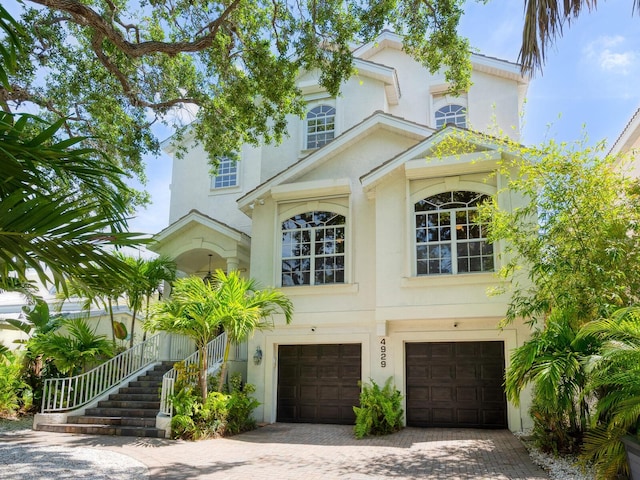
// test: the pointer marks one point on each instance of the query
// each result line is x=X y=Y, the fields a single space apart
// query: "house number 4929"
x=383 y=352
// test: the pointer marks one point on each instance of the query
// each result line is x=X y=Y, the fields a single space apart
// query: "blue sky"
x=590 y=83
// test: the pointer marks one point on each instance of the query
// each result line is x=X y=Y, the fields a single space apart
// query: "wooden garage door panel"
x=318 y=383
x=456 y=384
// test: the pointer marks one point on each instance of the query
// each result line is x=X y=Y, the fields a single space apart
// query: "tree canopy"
x=111 y=70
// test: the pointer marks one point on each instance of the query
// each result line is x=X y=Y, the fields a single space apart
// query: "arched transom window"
x=449 y=237
x=313 y=249
x=321 y=126
x=455 y=114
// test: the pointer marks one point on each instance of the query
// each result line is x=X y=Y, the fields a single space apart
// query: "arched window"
x=455 y=114
x=313 y=249
x=449 y=237
x=321 y=126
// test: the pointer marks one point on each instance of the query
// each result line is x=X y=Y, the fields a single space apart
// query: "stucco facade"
x=384 y=161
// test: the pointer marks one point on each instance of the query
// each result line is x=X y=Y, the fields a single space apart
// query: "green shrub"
x=14 y=392
x=221 y=414
x=380 y=411
x=552 y=431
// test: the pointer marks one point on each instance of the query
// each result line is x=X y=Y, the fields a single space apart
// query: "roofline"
x=196 y=215
x=629 y=134
x=371 y=178
x=331 y=148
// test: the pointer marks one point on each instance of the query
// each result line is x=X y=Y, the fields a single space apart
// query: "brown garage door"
x=318 y=383
x=456 y=384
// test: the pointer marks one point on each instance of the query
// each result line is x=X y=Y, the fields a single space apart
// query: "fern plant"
x=380 y=411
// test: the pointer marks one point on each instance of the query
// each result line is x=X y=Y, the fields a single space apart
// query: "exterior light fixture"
x=208 y=277
x=257 y=357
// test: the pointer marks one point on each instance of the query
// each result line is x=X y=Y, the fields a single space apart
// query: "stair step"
x=124 y=421
x=134 y=397
x=126 y=404
x=138 y=391
x=96 y=429
x=119 y=412
x=145 y=384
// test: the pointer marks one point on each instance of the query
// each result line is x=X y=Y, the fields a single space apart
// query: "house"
x=366 y=220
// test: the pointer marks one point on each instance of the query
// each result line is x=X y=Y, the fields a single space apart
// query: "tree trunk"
x=133 y=326
x=203 y=371
x=223 y=367
x=113 y=329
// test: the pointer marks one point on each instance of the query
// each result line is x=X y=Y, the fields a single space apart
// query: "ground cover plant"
x=380 y=411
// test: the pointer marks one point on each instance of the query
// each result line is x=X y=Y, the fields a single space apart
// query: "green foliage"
x=572 y=238
x=14 y=391
x=202 y=310
x=113 y=70
x=75 y=349
x=615 y=379
x=554 y=361
x=380 y=411
x=219 y=415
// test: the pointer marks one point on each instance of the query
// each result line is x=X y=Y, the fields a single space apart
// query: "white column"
x=232 y=264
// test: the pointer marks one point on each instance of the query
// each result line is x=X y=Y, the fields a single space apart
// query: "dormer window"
x=454 y=114
x=227 y=174
x=321 y=126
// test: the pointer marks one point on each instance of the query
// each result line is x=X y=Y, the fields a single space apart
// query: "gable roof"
x=366 y=127
x=480 y=63
x=485 y=145
x=196 y=217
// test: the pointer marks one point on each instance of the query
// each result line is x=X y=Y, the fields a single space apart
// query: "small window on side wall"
x=455 y=114
x=227 y=175
x=321 y=126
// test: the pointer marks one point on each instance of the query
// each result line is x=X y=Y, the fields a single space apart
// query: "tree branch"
x=83 y=15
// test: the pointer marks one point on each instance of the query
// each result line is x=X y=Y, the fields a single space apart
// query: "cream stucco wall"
x=382 y=298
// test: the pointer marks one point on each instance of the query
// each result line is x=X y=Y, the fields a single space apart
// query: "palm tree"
x=145 y=277
x=201 y=310
x=245 y=309
x=75 y=349
x=544 y=22
x=554 y=361
x=60 y=205
x=615 y=379
x=194 y=311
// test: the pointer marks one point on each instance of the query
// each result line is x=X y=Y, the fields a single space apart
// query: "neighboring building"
x=628 y=144
x=370 y=229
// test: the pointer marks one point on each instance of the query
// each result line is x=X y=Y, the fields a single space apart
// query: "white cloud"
x=609 y=54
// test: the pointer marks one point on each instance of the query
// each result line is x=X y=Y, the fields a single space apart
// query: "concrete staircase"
x=130 y=412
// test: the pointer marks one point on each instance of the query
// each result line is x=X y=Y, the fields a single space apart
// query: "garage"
x=456 y=384
x=318 y=383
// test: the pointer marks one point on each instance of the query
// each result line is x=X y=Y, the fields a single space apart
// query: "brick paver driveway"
x=308 y=452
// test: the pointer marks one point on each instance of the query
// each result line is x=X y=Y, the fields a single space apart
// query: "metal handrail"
x=64 y=394
x=215 y=355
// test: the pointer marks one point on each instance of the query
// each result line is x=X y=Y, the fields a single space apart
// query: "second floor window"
x=449 y=237
x=455 y=114
x=227 y=174
x=321 y=126
x=313 y=249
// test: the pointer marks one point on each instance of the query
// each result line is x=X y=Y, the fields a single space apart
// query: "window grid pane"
x=449 y=238
x=227 y=174
x=313 y=238
x=455 y=114
x=320 y=126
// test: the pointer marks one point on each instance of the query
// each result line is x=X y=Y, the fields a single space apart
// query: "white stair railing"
x=215 y=355
x=63 y=394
